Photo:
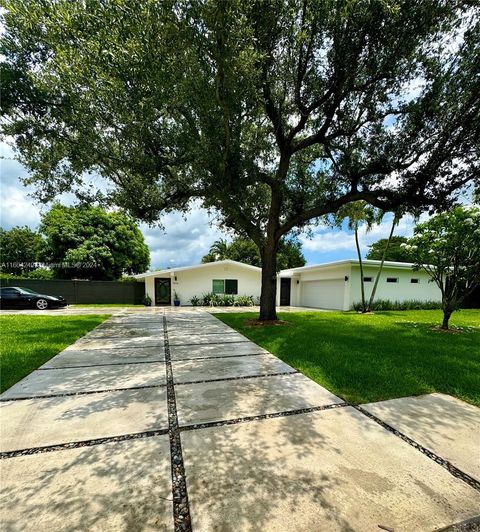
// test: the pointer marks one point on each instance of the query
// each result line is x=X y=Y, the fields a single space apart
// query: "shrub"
x=195 y=301
x=244 y=301
x=147 y=300
x=211 y=299
x=207 y=298
x=227 y=300
x=39 y=273
x=409 y=304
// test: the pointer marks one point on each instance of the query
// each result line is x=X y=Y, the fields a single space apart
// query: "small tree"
x=447 y=247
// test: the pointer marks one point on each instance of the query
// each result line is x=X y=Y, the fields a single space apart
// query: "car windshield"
x=28 y=291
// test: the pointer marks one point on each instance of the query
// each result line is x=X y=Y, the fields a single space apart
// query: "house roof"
x=365 y=262
x=170 y=271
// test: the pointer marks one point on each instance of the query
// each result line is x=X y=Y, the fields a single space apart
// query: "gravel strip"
x=181 y=509
x=474 y=483
x=101 y=365
x=238 y=378
x=84 y=443
x=247 y=419
x=70 y=394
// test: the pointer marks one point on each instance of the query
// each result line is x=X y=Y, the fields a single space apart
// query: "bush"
x=39 y=273
x=211 y=299
x=195 y=301
x=224 y=300
x=409 y=304
x=147 y=300
x=244 y=301
x=4 y=275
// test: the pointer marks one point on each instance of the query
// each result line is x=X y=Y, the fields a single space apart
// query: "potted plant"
x=176 y=299
x=147 y=301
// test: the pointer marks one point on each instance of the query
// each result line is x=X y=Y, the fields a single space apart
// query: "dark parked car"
x=16 y=297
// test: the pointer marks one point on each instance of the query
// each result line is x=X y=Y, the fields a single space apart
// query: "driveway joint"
x=89 y=392
x=83 y=443
x=156 y=361
x=223 y=379
x=248 y=419
x=453 y=470
x=181 y=508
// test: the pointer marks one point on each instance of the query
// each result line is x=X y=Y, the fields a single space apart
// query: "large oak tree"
x=271 y=112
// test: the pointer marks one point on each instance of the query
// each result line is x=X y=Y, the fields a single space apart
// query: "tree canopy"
x=447 y=247
x=244 y=250
x=20 y=250
x=90 y=243
x=394 y=253
x=271 y=112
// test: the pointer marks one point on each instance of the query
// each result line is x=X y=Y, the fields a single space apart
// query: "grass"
x=27 y=342
x=373 y=357
x=104 y=305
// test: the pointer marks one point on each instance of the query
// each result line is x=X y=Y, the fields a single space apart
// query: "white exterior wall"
x=325 y=285
x=150 y=288
x=198 y=281
x=403 y=290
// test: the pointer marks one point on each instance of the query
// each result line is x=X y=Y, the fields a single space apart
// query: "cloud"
x=182 y=241
x=326 y=240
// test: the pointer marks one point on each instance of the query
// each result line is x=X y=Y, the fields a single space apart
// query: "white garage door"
x=323 y=294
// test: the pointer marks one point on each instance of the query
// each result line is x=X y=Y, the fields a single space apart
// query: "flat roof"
x=169 y=271
x=365 y=262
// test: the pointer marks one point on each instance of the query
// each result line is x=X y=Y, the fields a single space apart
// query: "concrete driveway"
x=171 y=420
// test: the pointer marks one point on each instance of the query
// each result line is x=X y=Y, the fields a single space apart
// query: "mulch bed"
x=265 y=323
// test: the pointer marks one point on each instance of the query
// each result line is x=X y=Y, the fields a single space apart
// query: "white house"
x=334 y=285
x=222 y=277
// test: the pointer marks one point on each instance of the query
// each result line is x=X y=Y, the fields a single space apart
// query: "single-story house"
x=336 y=285
x=333 y=285
x=221 y=277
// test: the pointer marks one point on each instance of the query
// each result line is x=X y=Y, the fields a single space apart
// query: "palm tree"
x=219 y=250
x=359 y=213
x=397 y=216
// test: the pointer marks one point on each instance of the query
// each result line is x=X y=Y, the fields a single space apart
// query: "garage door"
x=323 y=294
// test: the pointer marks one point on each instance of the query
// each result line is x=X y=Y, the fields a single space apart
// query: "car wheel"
x=42 y=304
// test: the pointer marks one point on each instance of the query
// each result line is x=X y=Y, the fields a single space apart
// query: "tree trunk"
x=360 y=262
x=268 y=297
x=377 y=278
x=446 y=317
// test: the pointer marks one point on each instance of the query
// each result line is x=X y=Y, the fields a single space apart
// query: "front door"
x=285 y=287
x=162 y=291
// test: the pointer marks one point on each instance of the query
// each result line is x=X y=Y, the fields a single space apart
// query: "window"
x=415 y=281
x=225 y=286
x=392 y=280
x=9 y=291
x=218 y=286
x=367 y=279
x=231 y=286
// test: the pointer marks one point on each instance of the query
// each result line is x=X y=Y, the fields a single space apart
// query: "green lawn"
x=372 y=357
x=104 y=305
x=27 y=342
